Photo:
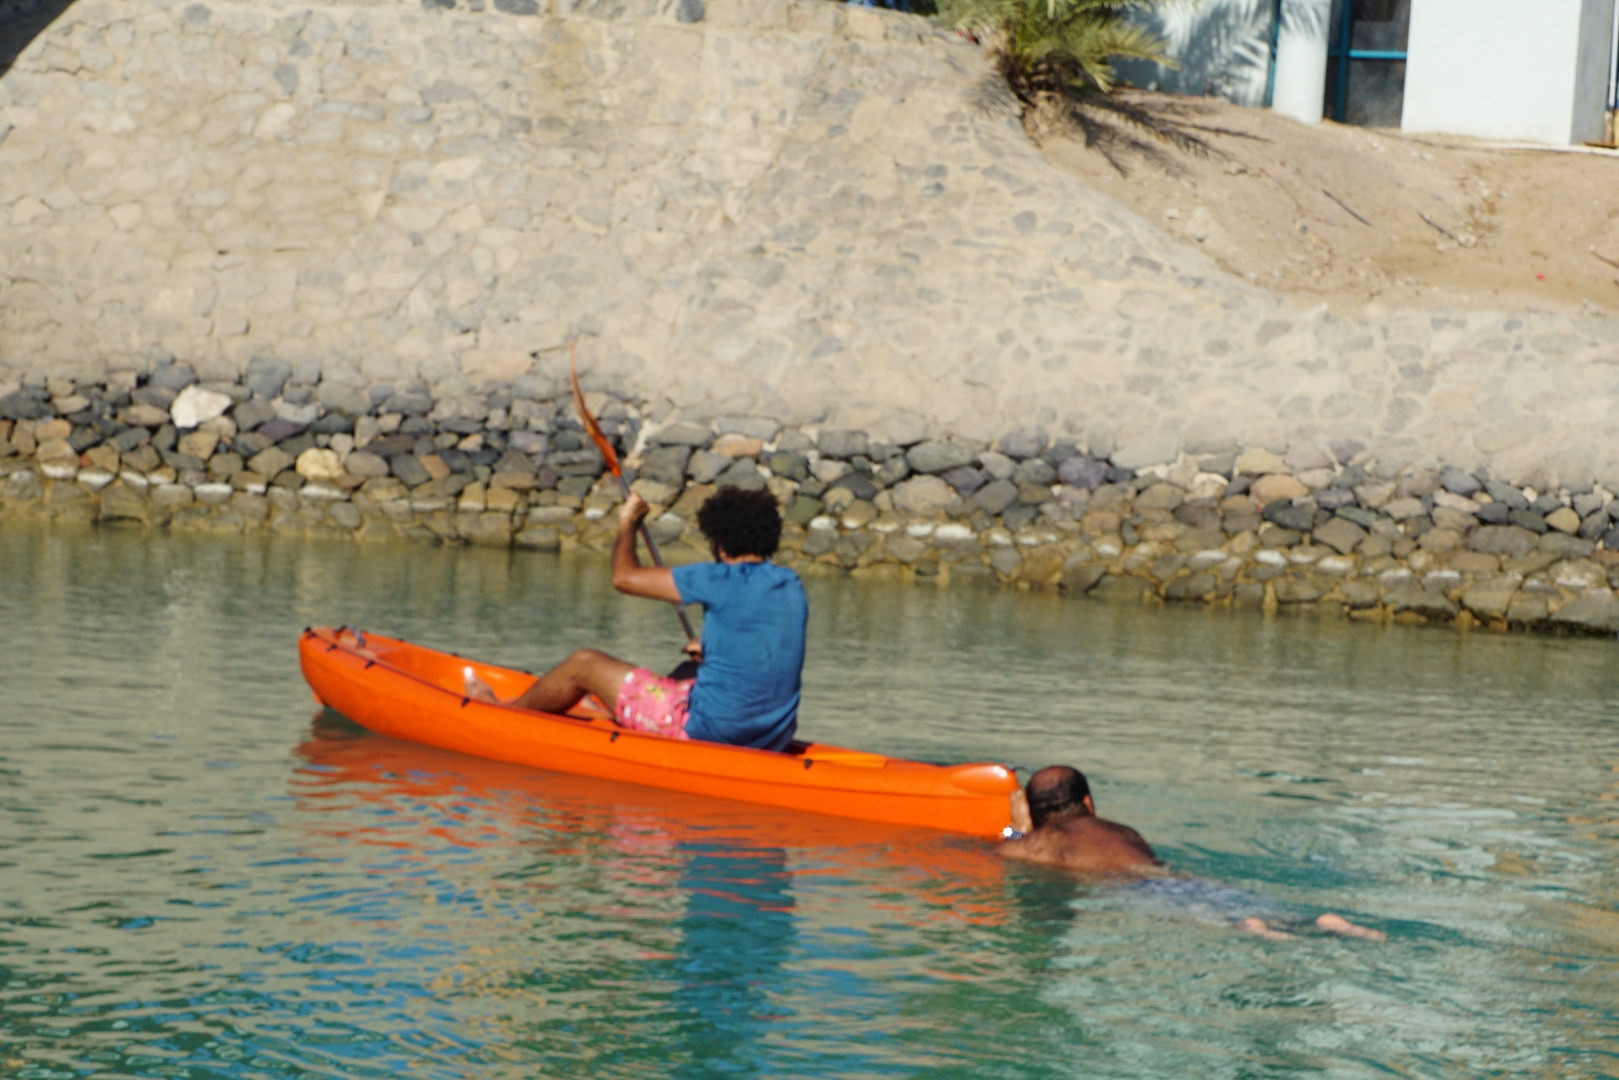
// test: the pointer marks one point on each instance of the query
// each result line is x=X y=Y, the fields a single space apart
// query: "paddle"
x=611 y=457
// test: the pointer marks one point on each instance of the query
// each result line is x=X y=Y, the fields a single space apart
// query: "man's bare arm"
x=629 y=576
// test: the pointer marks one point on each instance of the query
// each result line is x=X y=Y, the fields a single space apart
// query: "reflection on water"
x=200 y=880
x=735 y=936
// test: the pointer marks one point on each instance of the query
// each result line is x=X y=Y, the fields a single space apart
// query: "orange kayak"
x=415 y=693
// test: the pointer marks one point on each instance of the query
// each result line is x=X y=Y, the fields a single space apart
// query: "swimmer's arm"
x=1018 y=805
x=1026 y=849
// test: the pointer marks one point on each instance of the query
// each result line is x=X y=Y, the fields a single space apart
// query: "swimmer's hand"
x=693 y=649
x=1019 y=805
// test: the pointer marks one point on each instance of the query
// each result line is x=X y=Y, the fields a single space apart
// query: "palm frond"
x=1057 y=59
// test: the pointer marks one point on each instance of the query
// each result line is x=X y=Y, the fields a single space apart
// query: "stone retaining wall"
x=821 y=214
x=1340 y=532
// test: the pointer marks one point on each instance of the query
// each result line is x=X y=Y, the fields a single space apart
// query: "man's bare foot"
x=1337 y=924
x=1258 y=926
x=477 y=689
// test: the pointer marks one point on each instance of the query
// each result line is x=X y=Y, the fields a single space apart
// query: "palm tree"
x=1055 y=48
x=1057 y=58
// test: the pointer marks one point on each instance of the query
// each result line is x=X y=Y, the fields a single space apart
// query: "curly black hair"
x=741 y=522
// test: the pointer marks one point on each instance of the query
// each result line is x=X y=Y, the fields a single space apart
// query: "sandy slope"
x=1528 y=229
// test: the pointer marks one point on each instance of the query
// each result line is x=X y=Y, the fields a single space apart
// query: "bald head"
x=1056 y=791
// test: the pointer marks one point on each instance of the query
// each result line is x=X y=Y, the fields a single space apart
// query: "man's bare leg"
x=560 y=689
x=1337 y=924
x=1263 y=929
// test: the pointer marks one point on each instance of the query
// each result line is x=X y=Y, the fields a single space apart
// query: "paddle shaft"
x=610 y=456
x=652 y=549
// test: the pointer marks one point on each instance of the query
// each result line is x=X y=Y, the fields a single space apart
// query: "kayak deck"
x=416 y=693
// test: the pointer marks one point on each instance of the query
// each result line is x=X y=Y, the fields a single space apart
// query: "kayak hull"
x=412 y=692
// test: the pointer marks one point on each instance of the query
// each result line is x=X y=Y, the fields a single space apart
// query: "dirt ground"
x=1355 y=216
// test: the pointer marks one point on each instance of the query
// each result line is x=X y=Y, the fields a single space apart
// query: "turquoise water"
x=200 y=876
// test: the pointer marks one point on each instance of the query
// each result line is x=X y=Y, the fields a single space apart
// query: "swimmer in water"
x=1055 y=822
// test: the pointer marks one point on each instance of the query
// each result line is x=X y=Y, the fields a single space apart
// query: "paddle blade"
x=592 y=428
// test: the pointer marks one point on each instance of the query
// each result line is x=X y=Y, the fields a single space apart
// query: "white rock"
x=1205 y=559
x=319 y=464
x=1336 y=566
x=327 y=493
x=1440 y=580
x=823 y=523
x=1270 y=557
x=95 y=479
x=953 y=533
x=212 y=493
x=56 y=470
x=196 y=406
x=1159 y=471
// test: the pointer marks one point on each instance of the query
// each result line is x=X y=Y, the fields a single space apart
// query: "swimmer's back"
x=1087 y=845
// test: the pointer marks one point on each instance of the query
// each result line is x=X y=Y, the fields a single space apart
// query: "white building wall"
x=1222 y=48
x=1533 y=70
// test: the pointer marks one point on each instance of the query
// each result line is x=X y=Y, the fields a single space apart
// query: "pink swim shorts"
x=654 y=704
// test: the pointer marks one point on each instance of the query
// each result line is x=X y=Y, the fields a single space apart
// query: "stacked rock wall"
x=1309 y=532
x=820 y=214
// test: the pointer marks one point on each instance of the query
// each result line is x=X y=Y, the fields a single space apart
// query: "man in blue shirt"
x=747 y=686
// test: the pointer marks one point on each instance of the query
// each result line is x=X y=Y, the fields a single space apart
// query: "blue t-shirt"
x=753 y=652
